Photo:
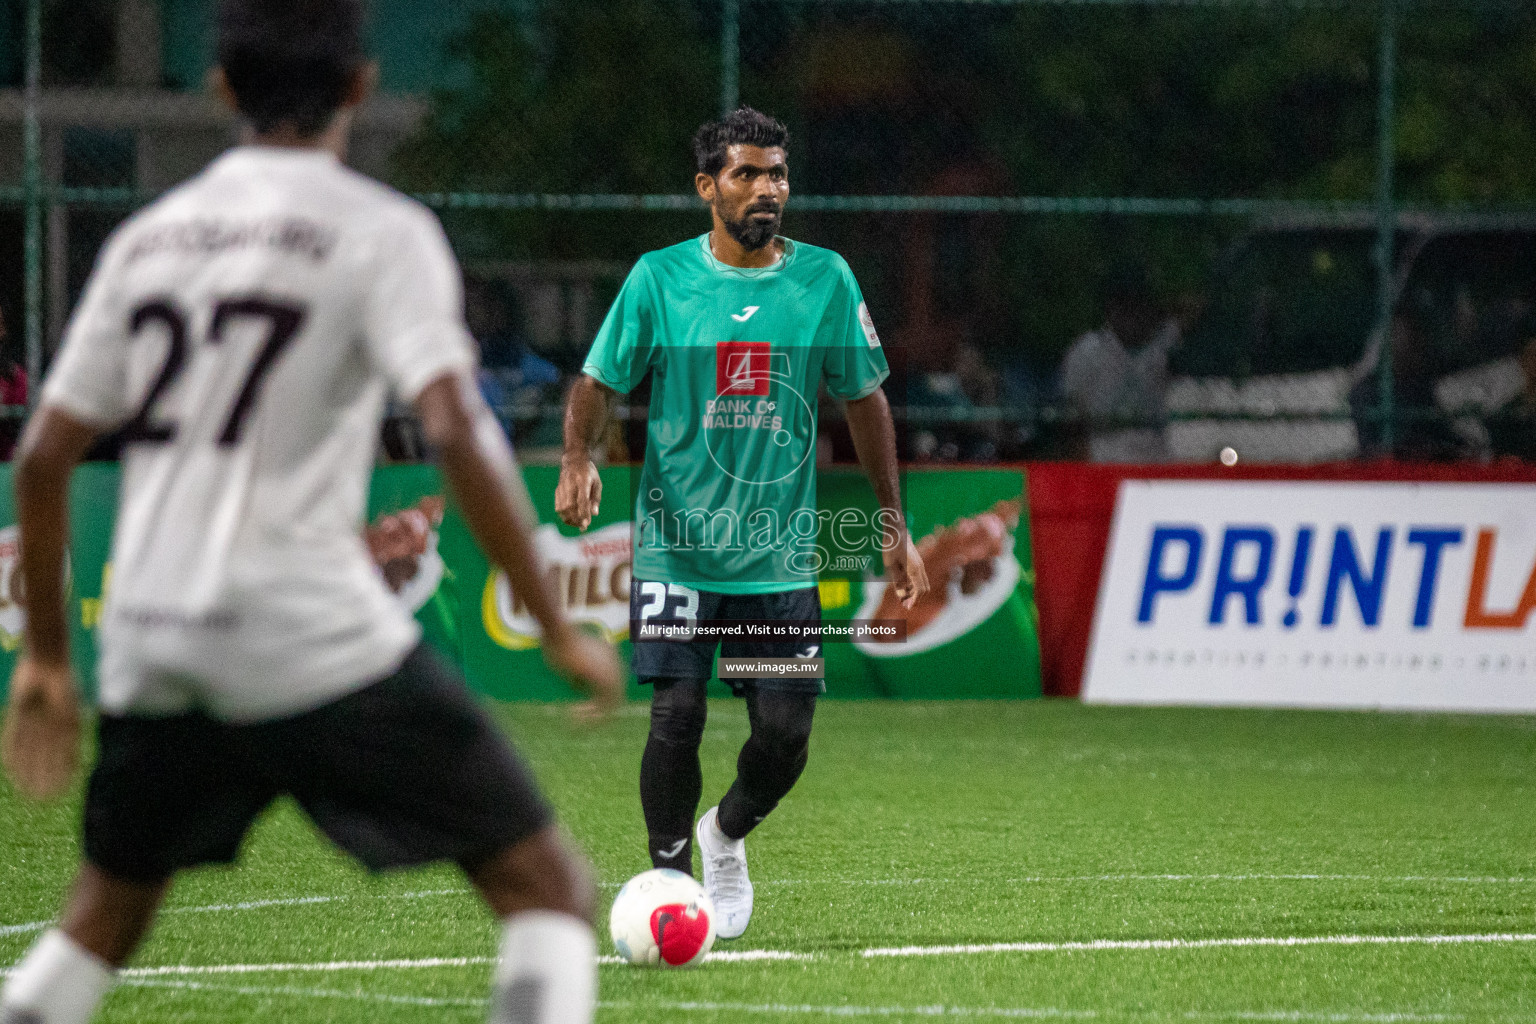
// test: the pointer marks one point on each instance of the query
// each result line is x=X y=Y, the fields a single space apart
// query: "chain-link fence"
x=1111 y=228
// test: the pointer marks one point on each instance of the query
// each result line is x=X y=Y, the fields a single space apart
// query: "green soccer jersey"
x=727 y=499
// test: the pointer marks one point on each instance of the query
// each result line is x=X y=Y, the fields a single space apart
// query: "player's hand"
x=591 y=665
x=904 y=568
x=579 y=492
x=40 y=744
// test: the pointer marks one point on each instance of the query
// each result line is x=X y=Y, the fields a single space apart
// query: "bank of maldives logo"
x=741 y=367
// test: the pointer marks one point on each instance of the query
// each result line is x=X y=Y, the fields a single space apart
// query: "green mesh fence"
x=1331 y=204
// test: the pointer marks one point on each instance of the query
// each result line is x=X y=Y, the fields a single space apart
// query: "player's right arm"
x=416 y=335
x=855 y=368
x=86 y=394
x=619 y=358
x=478 y=466
x=579 y=493
x=40 y=743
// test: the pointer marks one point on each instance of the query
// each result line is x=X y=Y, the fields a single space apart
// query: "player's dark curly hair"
x=290 y=61
x=741 y=127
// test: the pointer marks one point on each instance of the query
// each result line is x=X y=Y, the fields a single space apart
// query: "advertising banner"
x=1379 y=595
x=974 y=636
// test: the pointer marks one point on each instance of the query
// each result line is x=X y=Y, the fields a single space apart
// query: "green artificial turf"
x=928 y=824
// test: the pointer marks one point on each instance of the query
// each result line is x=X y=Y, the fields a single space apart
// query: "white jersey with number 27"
x=245 y=331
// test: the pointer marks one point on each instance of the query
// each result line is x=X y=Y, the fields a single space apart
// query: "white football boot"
x=725 y=876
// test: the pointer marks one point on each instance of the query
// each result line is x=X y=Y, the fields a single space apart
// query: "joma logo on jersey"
x=741 y=367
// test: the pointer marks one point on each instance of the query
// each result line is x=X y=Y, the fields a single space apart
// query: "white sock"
x=548 y=970
x=58 y=982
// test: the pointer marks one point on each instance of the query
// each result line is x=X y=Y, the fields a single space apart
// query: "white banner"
x=1409 y=596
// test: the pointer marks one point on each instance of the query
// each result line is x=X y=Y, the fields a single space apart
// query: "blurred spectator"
x=1512 y=428
x=968 y=385
x=13 y=382
x=1416 y=366
x=13 y=393
x=13 y=375
x=1117 y=376
x=1419 y=432
x=1025 y=390
x=512 y=376
x=400 y=435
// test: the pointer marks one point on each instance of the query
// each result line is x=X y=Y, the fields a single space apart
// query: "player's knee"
x=561 y=879
x=108 y=915
x=576 y=889
x=543 y=872
x=785 y=730
x=788 y=741
x=678 y=713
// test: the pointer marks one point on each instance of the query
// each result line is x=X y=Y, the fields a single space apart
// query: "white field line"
x=226 y=908
x=1030 y=1012
x=743 y=956
x=760 y=955
x=739 y=956
x=1231 y=943
x=833 y=1010
x=1432 y=879
x=266 y=991
x=295 y=968
x=1026 y=880
x=294 y=901
x=301 y=901
x=24 y=929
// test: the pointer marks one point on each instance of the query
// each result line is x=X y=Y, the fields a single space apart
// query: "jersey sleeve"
x=855 y=363
x=625 y=344
x=89 y=376
x=414 y=318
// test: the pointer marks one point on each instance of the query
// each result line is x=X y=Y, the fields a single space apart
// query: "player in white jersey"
x=243 y=333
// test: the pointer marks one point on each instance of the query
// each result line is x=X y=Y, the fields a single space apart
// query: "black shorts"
x=673 y=603
x=405 y=771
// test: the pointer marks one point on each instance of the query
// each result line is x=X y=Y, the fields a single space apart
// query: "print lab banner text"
x=1410 y=596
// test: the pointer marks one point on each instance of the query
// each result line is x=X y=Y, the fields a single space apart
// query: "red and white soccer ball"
x=662 y=918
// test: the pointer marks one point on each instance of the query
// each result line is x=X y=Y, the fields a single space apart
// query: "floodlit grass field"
x=931 y=825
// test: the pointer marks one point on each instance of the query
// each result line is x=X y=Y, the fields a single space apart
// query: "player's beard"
x=753 y=234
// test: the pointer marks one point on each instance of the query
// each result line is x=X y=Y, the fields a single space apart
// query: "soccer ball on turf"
x=662 y=918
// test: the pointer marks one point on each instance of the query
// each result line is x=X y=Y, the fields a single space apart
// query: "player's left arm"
x=414 y=332
x=40 y=743
x=855 y=368
x=85 y=394
x=478 y=465
x=874 y=438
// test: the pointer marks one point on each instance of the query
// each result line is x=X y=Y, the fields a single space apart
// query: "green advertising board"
x=974 y=636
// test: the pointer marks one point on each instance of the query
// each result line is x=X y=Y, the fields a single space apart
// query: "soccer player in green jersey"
x=739 y=328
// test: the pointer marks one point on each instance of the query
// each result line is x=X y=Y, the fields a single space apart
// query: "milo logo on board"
x=13 y=611
x=591 y=578
x=13 y=616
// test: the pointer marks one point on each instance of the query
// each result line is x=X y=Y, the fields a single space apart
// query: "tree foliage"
x=1088 y=100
